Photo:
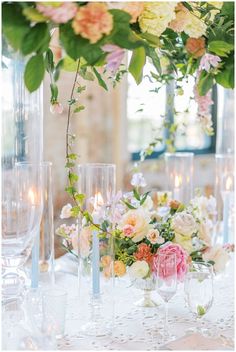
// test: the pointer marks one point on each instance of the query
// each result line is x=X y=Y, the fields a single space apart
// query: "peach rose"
x=119 y=268
x=134 y=9
x=196 y=46
x=181 y=18
x=154 y=237
x=92 y=21
x=174 y=204
x=139 y=220
x=105 y=260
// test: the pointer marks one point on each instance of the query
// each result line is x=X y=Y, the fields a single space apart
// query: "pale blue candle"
x=226 y=201
x=95 y=265
x=35 y=263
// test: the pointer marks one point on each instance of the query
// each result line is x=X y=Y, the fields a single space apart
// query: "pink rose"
x=181 y=260
x=128 y=230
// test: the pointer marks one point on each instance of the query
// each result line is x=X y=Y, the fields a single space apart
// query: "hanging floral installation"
x=180 y=39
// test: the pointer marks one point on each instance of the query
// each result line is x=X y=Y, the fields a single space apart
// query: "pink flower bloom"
x=209 y=60
x=128 y=230
x=114 y=58
x=92 y=21
x=181 y=260
x=204 y=102
x=61 y=13
x=56 y=108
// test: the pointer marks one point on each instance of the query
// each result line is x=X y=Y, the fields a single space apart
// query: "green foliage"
x=14 y=25
x=75 y=211
x=205 y=82
x=37 y=39
x=72 y=43
x=33 y=15
x=79 y=108
x=220 y=47
x=101 y=82
x=137 y=62
x=34 y=72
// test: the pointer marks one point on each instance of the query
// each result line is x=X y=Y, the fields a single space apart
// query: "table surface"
x=137 y=328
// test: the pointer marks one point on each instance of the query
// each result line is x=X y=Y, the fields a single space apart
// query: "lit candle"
x=35 y=249
x=177 y=185
x=226 y=195
x=98 y=202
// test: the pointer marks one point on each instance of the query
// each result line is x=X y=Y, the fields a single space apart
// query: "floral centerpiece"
x=143 y=231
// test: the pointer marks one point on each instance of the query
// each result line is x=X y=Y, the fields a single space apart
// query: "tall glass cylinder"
x=224 y=193
x=22 y=116
x=179 y=175
x=96 y=257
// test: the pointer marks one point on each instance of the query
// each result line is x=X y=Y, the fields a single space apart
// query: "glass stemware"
x=198 y=289
x=21 y=214
x=166 y=271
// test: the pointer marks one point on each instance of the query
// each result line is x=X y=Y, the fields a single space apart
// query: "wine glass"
x=198 y=287
x=21 y=214
x=166 y=271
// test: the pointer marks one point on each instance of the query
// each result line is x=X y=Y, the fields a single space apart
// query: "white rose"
x=218 y=255
x=138 y=270
x=66 y=211
x=154 y=237
x=184 y=224
x=139 y=220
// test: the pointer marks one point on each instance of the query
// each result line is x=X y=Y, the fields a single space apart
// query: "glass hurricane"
x=198 y=287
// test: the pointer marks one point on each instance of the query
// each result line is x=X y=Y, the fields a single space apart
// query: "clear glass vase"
x=22 y=139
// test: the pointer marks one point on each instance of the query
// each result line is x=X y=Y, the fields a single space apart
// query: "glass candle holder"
x=96 y=257
x=179 y=174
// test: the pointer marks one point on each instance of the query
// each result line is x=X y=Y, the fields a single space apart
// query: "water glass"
x=198 y=289
x=54 y=311
x=166 y=271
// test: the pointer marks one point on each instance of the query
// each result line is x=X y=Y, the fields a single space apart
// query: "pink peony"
x=181 y=260
x=209 y=60
x=114 y=58
x=58 y=13
x=92 y=21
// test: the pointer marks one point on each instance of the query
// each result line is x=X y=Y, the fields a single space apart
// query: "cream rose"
x=138 y=270
x=184 y=241
x=139 y=220
x=218 y=255
x=204 y=232
x=184 y=224
x=148 y=204
x=154 y=237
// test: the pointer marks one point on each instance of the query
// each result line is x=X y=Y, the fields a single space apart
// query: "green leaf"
x=228 y=9
x=151 y=52
x=205 y=83
x=86 y=75
x=69 y=165
x=226 y=77
x=79 y=108
x=128 y=205
x=72 y=43
x=136 y=194
x=152 y=39
x=34 y=72
x=144 y=198
x=80 y=198
x=73 y=178
x=57 y=70
x=220 y=47
x=69 y=64
x=80 y=89
x=70 y=190
x=35 y=39
x=75 y=211
x=92 y=53
x=33 y=15
x=72 y=156
x=137 y=62
x=99 y=78
x=49 y=63
x=14 y=24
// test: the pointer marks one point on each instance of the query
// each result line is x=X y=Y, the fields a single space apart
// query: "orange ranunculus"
x=196 y=46
x=92 y=21
x=119 y=268
x=144 y=253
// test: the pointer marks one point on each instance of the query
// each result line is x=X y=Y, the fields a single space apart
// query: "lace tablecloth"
x=137 y=328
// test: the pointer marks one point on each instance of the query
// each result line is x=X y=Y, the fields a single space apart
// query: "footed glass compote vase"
x=147 y=285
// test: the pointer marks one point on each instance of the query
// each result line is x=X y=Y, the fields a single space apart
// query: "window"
x=147 y=106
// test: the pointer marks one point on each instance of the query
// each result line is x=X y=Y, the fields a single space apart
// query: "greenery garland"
x=180 y=39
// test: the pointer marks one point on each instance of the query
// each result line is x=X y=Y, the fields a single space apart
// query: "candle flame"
x=229 y=183
x=98 y=200
x=31 y=196
x=178 y=181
